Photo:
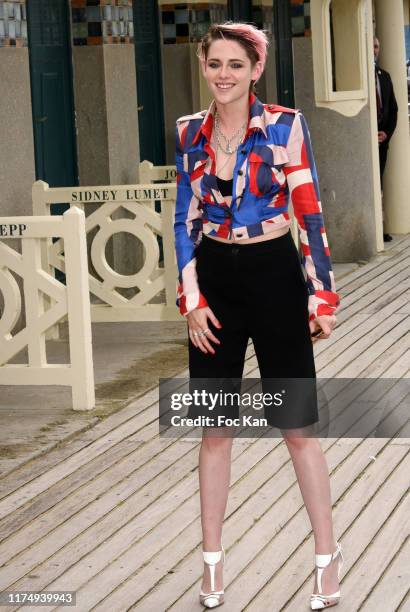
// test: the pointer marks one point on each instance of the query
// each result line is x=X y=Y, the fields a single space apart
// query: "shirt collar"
x=256 y=119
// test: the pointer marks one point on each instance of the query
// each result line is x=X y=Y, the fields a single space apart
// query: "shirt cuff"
x=323 y=303
x=188 y=302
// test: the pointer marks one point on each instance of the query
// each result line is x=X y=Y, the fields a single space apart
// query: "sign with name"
x=170 y=174
x=121 y=195
x=12 y=230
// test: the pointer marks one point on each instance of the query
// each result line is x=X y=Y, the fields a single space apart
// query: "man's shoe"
x=387 y=237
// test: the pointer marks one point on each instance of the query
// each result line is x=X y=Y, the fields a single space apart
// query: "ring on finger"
x=201 y=333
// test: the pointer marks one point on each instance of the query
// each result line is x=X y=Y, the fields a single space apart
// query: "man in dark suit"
x=386 y=113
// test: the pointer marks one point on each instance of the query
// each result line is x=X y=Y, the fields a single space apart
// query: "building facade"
x=89 y=88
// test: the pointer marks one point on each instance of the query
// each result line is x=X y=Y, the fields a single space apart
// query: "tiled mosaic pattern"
x=94 y=22
x=97 y=22
x=300 y=17
x=188 y=22
x=13 y=23
x=100 y=22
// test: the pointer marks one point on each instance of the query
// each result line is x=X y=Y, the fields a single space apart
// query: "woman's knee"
x=299 y=441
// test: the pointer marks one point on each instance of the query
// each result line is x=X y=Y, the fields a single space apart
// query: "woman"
x=240 y=276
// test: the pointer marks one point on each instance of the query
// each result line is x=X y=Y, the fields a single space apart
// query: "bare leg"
x=312 y=473
x=214 y=478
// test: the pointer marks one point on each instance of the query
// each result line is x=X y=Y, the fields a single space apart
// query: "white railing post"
x=148 y=173
x=40 y=208
x=34 y=305
x=78 y=301
x=170 y=266
x=145 y=171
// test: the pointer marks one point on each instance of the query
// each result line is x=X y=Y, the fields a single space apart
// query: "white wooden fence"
x=71 y=301
x=155 y=282
x=148 y=173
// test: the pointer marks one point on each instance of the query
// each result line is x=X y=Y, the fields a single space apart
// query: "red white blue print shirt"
x=274 y=162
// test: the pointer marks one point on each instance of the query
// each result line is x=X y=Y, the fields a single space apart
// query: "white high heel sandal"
x=213 y=598
x=318 y=601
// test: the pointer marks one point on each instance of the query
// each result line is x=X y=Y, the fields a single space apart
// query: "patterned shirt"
x=274 y=162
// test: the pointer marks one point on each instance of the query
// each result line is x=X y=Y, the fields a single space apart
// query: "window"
x=339 y=49
x=344 y=27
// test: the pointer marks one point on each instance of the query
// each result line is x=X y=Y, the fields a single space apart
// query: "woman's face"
x=228 y=71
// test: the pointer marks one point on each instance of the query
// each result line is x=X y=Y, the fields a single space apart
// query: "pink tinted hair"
x=251 y=38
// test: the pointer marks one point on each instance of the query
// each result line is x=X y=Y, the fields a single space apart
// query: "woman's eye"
x=214 y=65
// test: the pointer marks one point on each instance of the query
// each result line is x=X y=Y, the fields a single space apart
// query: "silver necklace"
x=223 y=165
x=240 y=132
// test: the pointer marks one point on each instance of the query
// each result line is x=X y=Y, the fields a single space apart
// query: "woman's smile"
x=224 y=85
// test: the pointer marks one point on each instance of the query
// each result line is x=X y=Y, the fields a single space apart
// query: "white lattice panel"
x=46 y=301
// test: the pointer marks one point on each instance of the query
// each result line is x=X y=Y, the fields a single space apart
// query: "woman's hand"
x=325 y=323
x=197 y=323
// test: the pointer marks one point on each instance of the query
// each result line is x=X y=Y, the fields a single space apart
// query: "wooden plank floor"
x=114 y=514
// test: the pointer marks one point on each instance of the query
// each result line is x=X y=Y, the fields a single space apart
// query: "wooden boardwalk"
x=114 y=513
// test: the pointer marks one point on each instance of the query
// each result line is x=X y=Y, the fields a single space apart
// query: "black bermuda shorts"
x=257 y=291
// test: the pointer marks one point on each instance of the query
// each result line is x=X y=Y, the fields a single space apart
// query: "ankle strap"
x=324 y=560
x=212 y=558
